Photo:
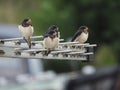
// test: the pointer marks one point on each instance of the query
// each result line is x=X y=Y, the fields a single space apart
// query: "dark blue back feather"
x=76 y=35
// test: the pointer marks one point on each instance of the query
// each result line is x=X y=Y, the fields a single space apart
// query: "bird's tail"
x=72 y=40
x=28 y=41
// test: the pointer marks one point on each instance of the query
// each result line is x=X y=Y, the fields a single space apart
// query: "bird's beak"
x=29 y=21
x=86 y=30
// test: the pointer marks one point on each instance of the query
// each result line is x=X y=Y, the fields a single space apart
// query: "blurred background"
x=101 y=16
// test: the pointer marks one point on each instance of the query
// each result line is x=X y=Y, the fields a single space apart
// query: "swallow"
x=51 y=38
x=81 y=35
x=26 y=29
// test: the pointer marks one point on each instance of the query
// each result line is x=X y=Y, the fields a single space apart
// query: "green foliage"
x=105 y=56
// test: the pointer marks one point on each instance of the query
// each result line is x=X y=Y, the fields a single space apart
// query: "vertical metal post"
x=35 y=66
x=90 y=57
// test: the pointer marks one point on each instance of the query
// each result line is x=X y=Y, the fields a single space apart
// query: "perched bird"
x=51 y=38
x=81 y=35
x=26 y=29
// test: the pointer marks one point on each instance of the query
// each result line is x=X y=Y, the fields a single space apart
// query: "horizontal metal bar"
x=89 y=53
x=62 y=51
x=86 y=45
x=37 y=42
x=68 y=43
x=92 y=45
x=30 y=50
x=24 y=45
x=42 y=41
x=13 y=39
x=78 y=44
x=45 y=57
x=76 y=52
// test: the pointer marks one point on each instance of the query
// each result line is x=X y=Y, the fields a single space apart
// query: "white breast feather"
x=49 y=43
x=26 y=31
x=82 y=38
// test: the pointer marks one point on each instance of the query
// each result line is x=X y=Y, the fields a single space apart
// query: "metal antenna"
x=13 y=48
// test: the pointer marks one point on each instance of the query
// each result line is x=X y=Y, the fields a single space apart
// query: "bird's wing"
x=49 y=33
x=32 y=30
x=20 y=28
x=50 y=29
x=45 y=35
x=76 y=35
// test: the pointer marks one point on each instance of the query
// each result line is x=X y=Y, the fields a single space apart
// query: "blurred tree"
x=105 y=56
